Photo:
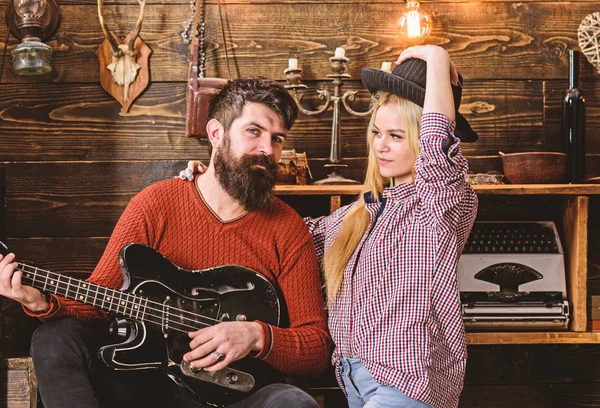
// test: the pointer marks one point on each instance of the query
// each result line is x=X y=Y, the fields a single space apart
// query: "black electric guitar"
x=160 y=303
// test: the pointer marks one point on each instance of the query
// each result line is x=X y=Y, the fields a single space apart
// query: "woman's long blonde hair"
x=356 y=221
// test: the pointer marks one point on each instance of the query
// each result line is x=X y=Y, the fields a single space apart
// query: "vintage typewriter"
x=512 y=277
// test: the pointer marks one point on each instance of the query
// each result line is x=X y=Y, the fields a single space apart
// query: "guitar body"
x=180 y=301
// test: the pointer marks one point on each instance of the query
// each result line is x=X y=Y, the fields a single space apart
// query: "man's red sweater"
x=172 y=217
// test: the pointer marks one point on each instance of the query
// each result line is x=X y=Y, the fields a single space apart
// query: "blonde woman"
x=389 y=259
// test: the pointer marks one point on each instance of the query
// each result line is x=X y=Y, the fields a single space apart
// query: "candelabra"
x=338 y=67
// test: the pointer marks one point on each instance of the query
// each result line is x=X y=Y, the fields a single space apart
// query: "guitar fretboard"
x=114 y=301
x=110 y=300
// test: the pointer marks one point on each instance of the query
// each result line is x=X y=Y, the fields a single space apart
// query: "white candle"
x=386 y=66
x=293 y=63
x=340 y=52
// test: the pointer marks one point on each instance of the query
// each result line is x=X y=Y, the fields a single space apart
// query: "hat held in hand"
x=408 y=81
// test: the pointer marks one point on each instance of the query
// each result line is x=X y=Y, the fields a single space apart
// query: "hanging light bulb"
x=34 y=20
x=415 y=24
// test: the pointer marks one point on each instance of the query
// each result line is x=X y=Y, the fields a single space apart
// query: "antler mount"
x=124 y=70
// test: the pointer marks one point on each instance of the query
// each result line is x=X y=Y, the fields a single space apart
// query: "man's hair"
x=227 y=105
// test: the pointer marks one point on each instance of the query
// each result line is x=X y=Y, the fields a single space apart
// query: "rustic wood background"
x=69 y=163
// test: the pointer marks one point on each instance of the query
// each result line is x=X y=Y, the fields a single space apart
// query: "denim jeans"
x=69 y=374
x=364 y=391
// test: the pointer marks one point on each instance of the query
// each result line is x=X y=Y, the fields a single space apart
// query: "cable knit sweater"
x=173 y=218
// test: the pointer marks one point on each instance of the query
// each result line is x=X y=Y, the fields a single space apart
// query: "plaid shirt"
x=398 y=309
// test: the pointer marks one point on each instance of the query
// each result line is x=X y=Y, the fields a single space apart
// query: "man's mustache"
x=266 y=161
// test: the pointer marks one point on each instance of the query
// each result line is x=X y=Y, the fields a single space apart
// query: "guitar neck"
x=115 y=302
x=110 y=300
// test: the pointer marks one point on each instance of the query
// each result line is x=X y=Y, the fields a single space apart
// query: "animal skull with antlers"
x=124 y=58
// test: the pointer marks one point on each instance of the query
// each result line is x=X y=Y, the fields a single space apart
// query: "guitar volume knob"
x=232 y=378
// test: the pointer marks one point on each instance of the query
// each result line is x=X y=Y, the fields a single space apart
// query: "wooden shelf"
x=530 y=189
x=533 y=338
x=311 y=189
x=509 y=189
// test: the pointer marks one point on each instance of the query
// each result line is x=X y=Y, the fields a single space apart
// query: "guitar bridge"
x=227 y=377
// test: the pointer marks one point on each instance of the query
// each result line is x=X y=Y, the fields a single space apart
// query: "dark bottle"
x=574 y=123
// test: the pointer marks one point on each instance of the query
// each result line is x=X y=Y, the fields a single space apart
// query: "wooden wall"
x=69 y=163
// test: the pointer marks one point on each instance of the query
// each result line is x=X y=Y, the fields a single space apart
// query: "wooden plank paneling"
x=60 y=202
x=523 y=40
x=507 y=115
x=82 y=122
x=519 y=208
x=531 y=396
x=76 y=122
x=76 y=256
x=506 y=364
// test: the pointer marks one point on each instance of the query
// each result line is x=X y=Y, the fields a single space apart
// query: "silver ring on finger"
x=219 y=356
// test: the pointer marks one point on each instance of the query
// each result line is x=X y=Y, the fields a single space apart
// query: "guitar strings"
x=146 y=312
x=160 y=310
x=68 y=290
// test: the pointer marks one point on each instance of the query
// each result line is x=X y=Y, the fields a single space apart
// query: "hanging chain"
x=200 y=29
x=185 y=34
x=202 y=43
x=200 y=32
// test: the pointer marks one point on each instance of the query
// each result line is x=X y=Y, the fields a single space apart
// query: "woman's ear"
x=214 y=130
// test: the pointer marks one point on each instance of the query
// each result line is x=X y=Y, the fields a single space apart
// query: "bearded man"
x=227 y=216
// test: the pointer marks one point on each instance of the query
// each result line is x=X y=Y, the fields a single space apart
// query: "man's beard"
x=242 y=180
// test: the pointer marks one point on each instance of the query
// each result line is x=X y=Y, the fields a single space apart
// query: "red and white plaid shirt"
x=398 y=309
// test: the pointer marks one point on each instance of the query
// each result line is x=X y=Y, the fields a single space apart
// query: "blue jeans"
x=69 y=374
x=364 y=392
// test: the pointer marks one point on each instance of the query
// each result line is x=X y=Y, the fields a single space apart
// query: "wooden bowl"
x=535 y=167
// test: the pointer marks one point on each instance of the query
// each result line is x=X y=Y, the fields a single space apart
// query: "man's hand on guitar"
x=11 y=287
x=213 y=348
x=193 y=167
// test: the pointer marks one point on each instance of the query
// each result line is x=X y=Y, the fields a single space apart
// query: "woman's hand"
x=193 y=167
x=432 y=53
x=441 y=72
